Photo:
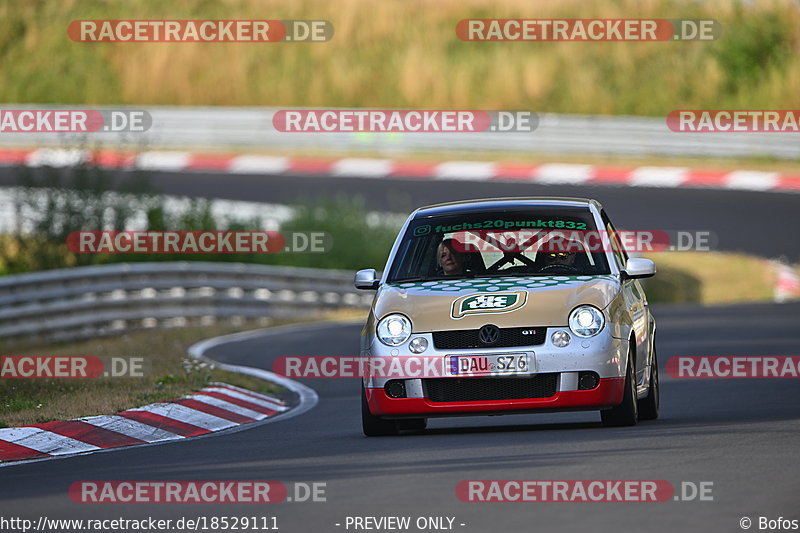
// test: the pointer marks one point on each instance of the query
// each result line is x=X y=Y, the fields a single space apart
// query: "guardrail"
x=239 y=128
x=92 y=301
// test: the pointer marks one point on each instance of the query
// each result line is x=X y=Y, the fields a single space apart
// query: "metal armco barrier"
x=238 y=128
x=91 y=301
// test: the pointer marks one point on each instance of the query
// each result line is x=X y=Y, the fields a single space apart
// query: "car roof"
x=492 y=204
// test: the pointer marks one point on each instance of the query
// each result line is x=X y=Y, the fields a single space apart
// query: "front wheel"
x=627 y=412
x=648 y=408
x=374 y=426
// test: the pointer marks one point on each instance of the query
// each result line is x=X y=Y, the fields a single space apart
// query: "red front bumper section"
x=607 y=394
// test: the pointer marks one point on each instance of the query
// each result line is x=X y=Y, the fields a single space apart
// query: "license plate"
x=477 y=365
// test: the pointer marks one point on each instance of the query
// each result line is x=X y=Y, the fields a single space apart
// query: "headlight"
x=394 y=330
x=586 y=321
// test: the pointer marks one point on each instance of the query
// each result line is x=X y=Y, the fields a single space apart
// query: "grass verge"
x=710 y=278
x=170 y=374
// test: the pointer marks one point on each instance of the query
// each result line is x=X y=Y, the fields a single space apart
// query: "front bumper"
x=607 y=394
x=604 y=354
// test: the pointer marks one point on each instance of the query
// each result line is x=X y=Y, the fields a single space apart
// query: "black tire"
x=414 y=424
x=648 y=407
x=374 y=426
x=627 y=412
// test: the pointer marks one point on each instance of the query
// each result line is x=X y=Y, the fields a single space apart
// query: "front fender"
x=619 y=318
x=367 y=335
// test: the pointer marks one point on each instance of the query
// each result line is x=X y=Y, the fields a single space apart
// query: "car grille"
x=465 y=339
x=487 y=389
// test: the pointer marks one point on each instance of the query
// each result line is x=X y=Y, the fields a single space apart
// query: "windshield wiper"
x=468 y=275
x=513 y=275
x=418 y=279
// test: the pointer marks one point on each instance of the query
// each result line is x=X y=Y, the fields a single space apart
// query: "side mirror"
x=638 y=267
x=367 y=279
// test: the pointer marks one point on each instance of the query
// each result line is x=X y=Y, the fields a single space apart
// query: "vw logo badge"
x=489 y=334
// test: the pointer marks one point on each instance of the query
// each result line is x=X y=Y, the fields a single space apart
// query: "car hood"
x=505 y=302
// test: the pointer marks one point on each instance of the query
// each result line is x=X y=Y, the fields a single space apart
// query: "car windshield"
x=530 y=242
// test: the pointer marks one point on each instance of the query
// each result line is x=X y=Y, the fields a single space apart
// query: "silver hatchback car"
x=523 y=304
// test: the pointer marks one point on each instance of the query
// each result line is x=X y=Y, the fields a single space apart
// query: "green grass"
x=710 y=278
x=405 y=54
x=169 y=375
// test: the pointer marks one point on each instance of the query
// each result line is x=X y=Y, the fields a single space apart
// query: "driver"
x=448 y=259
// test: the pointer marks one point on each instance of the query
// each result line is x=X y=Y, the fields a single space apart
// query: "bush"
x=52 y=203
x=357 y=242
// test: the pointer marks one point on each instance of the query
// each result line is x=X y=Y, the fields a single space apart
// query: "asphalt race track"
x=739 y=434
x=760 y=223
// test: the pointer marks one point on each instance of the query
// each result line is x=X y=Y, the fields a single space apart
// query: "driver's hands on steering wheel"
x=558 y=266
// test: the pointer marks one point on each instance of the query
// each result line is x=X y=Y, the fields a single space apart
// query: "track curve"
x=740 y=434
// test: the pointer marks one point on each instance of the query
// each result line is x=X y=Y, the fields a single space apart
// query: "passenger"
x=558 y=259
x=563 y=260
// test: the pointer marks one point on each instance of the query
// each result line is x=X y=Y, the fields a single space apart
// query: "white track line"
x=56 y=157
x=658 y=177
x=131 y=428
x=464 y=170
x=247 y=392
x=751 y=180
x=187 y=415
x=362 y=168
x=257 y=164
x=232 y=407
x=163 y=160
x=44 y=441
x=563 y=173
x=257 y=401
